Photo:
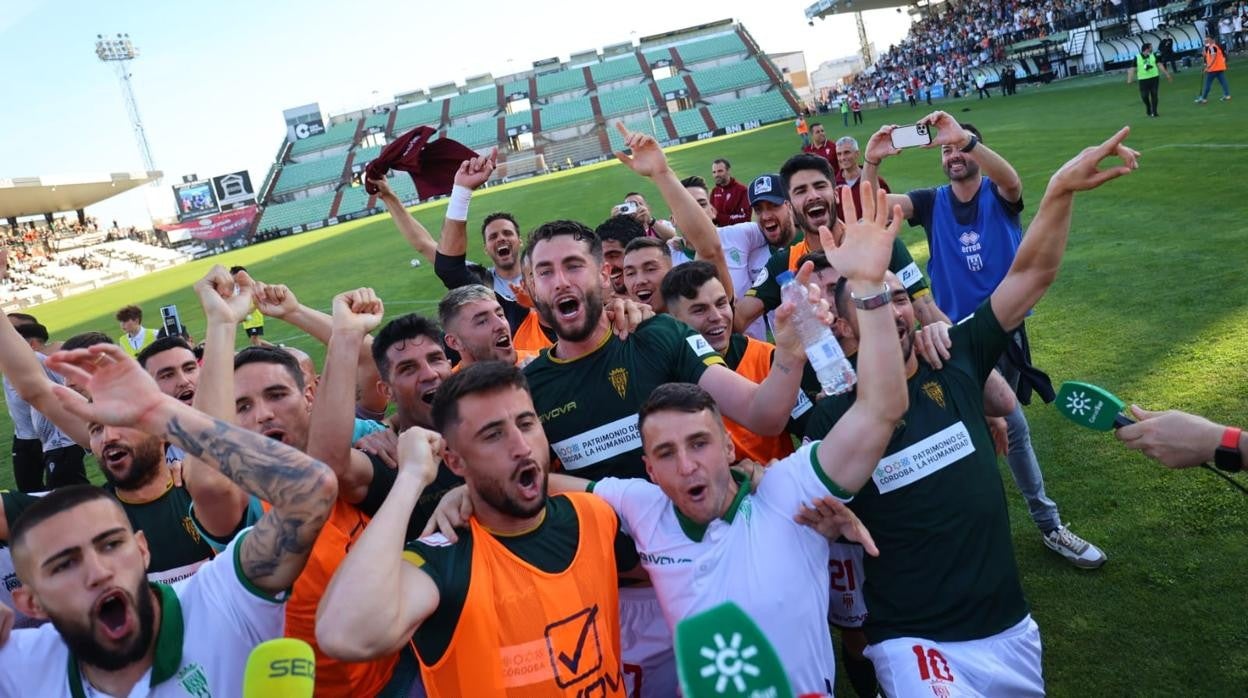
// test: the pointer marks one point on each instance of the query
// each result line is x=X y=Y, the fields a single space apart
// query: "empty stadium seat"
x=300 y=175
x=688 y=122
x=713 y=47
x=523 y=118
x=473 y=102
x=625 y=66
x=301 y=212
x=733 y=76
x=377 y=120
x=334 y=135
x=475 y=135
x=516 y=86
x=769 y=106
x=676 y=82
x=427 y=114
x=567 y=113
x=562 y=81
x=354 y=200
x=625 y=100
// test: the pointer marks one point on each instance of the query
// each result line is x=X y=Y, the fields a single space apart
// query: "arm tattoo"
x=291 y=481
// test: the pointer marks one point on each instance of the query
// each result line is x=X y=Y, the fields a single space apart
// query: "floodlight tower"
x=864 y=46
x=119 y=52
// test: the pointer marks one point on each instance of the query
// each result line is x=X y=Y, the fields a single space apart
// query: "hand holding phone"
x=911 y=136
x=627 y=208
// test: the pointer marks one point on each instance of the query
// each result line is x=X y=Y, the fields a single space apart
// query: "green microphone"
x=1091 y=406
x=721 y=653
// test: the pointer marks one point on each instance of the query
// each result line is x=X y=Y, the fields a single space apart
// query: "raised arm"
x=376 y=600
x=765 y=407
x=20 y=365
x=219 y=502
x=415 y=233
x=278 y=301
x=879 y=147
x=300 y=489
x=950 y=133
x=1040 y=254
x=852 y=449
x=648 y=160
x=471 y=175
x=356 y=313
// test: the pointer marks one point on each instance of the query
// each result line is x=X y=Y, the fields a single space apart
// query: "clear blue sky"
x=213 y=77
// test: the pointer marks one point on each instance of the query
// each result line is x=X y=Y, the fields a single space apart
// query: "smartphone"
x=172 y=323
x=911 y=136
x=627 y=208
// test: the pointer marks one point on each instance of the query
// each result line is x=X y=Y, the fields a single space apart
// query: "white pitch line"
x=1210 y=146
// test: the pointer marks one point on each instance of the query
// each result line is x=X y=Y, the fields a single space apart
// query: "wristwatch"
x=970 y=145
x=1228 y=457
x=873 y=301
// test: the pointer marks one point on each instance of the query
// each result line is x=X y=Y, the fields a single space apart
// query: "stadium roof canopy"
x=825 y=8
x=32 y=196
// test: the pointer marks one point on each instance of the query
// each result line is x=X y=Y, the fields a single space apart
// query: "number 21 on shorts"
x=932 y=664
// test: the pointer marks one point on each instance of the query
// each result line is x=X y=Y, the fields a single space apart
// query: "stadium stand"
x=570 y=120
x=301 y=175
x=767 y=107
x=689 y=122
x=552 y=84
x=626 y=100
x=335 y=135
x=568 y=113
x=427 y=114
x=734 y=76
x=473 y=102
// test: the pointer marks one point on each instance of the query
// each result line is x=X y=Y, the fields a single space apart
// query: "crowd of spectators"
x=942 y=48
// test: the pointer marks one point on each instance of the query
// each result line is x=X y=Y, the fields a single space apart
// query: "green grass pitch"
x=1152 y=303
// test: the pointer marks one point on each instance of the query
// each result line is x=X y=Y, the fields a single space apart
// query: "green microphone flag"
x=1091 y=406
x=722 y=653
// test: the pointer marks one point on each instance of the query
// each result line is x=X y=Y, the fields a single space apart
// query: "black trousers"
x=1148 y=93
x=64 y=466
x=28 y=465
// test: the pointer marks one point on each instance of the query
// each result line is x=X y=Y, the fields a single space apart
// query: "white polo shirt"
x=208 y=626
x=757 y=556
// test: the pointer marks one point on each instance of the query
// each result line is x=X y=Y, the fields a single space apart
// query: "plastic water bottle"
x=835 y=373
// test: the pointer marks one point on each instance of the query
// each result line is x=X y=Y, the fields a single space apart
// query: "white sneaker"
x=1078 y=551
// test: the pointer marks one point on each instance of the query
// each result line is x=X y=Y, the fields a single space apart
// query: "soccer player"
x=646 y=261
x=476 y=327
x=809 y=185
x=935 y=501
x=82 y=563
x=589 y=386
x=44 y=456
x=745 y=245
x=693 y=294
x=524 y=601
x=973 y=232
x=731 y=203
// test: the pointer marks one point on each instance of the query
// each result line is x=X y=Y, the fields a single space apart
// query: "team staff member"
x=849 y=170
x=82 y=564
x=524 y=600
x=946 y=608
x=134 y=335
x=1146 y=69
x=694 y=295
x=809 y=185
x=1215 y=68
x=973 y=232
x=253 y=324
x=728 y=197
x=819 y=143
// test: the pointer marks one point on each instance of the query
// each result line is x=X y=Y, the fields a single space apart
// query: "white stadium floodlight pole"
x=119 y=52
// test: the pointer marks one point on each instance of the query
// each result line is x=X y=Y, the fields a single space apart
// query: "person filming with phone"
x=973 y=234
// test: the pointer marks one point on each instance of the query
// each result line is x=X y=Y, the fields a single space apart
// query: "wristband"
x=873 y=164
x=1228 y=457
x=970 y=145
x=457 y=208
